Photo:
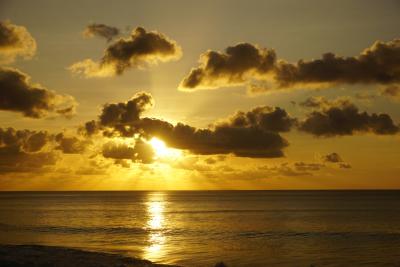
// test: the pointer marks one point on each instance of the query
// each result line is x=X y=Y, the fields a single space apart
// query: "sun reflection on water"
x=155 y=226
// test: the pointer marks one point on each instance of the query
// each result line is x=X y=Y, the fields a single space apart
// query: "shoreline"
x=56 y=256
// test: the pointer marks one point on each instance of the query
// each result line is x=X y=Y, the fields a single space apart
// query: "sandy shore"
x=48 y=256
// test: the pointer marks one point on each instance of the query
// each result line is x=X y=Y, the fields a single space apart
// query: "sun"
x=161 y=150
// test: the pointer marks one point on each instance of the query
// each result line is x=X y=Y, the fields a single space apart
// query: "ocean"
x=200 y=228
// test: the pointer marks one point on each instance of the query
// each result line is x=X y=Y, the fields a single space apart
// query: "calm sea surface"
x=241 y=228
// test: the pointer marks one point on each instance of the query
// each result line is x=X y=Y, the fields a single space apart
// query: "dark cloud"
x=245 y=63
x=378 y=64
x=255 y=133
x=344 y=118
x=264 y=117
x=127 y=112
x=27 y=150
x=24 y=150
x=89 y=128
x=238 y=64
x=15 y=41
x=139 y=49
x=118 y=151
x=140 y=152
x=28 y=141
x=241 y=141
x=18 y=94
x=101 y=30
x=221 y=139
x=336 y=159
x=70 y=144
x=246 y=134
x=120 y=116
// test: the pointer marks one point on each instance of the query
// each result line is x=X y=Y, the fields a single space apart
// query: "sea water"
x=200 y=228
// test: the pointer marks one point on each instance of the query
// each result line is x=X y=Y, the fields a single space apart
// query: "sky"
x=190 y=95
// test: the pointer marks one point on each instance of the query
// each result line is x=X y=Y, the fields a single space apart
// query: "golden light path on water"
x=155 y=225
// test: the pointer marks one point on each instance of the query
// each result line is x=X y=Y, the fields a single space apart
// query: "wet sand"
x=48 y=256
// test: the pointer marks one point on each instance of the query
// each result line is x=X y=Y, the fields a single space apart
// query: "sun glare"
x=161 y=150
x=159 y=147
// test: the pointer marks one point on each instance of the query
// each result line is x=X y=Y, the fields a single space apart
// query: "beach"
x=36 y=255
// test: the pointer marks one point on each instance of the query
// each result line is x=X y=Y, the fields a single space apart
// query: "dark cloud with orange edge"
x=251 y=134
x=341 y=117
x=138 y=50
x=19 y=94
x=255 y=133
x=15 y=41
x=245 y=63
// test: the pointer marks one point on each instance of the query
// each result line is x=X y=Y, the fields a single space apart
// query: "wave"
x=197 y=232
x=75 y=230
x=318 y=234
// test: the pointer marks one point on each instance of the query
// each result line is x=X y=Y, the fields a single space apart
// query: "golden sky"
x=176 y=95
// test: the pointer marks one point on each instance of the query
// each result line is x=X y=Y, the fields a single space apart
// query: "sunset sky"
x=181 y=95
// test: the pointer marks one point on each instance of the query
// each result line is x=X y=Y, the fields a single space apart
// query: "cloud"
x=101 y=30
x=320 y=102
x=246 y=134
x=333 y=157
x=314 y=102
x=220 y=169
x=31 y=151
x=286 y=169
x=140 y=152
x=263 y=117
x=246 y=63
x=343 y=118
x=336 y=159
x=15 y=41
x=241 y=141
x=89 y=128
x=140 y=49
x=365 y=96
x=126 y=112
x=214 y=160
x=238 y=64
x=392 y=92
x=307 y=167
x=255 y=133
x=378 y=64
x=70 y=144
x=24 y=150
x=221 y=139
x=18 y=94
x=344 y=165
